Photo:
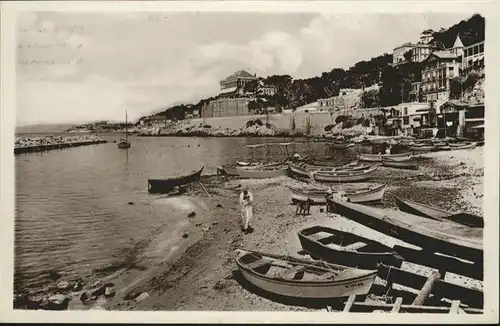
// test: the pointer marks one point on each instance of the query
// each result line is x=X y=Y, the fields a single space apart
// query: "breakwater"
x=40 y=144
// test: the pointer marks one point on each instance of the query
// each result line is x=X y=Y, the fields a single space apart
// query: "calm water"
x=72 y=211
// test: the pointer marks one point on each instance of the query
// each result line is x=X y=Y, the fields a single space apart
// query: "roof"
x=239 y=74
x=405 y=45
x=458 y=42
x=444 y=54
x=456 y=103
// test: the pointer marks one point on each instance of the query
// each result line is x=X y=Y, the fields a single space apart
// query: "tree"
x=251 y=86
x=408 y=55
x=370 y=99
x=455 y=88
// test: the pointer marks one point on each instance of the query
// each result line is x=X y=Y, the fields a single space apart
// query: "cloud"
x=125 y=62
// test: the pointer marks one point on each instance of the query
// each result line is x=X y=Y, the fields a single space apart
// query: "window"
x=481 y=47
x=476 y=50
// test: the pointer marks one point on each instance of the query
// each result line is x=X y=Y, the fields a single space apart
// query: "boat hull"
x=366 y=259
x=166 y=185
x=400 y=164
x=345 y=176
x=434 y=236
x=419 y=209
x=316 y=197
x=378 y=158
x=324 y=289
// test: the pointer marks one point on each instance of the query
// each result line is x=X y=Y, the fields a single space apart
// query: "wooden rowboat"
x=367 y=195
x=232 y=170
x=437 y=214
x=347 y=167
x=293 y=277
x=362 y=195
x=261 y=174
x=462 y=146
x=378 y=157
x=166 y=185
x=344 y=176
x=332 y=245
x=432 y=236
x=400 y=164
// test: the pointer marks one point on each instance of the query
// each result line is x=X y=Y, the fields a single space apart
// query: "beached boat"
x=299 y=278
x=378 y=157
x=335 y=246
x=434 y=213
x=365 y=195
x=462 y=146
x=400 y=164
x=346 y=167
x=344 y=176
x=341 y=145
x=230 y=170
x=301 y=195
x=432 y=236
x=444 y=147
x=261 y=174
x=361 y=195
x=166 y=185
x=423 y=148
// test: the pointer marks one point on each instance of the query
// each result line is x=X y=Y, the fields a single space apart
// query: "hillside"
x=394 y=82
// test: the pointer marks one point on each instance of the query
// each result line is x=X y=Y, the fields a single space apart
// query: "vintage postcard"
x=313 y=161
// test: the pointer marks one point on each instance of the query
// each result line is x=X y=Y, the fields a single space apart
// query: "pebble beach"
x=200 y=274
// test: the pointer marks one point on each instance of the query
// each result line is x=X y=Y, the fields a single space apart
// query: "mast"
x=126 y=126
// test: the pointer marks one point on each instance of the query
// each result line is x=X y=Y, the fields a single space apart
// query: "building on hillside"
x=266 y=90
x=437 y=71
x=233 y=85
x=464 y=119
x=426 y=36
x=196 y=113
x=420 y=52
x=414 y=116
x=473 y=58
x=226 y=107
x=398 y=54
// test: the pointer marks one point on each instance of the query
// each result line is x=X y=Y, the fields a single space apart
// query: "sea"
x=80 y=210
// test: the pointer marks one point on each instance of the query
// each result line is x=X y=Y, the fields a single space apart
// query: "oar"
x=204 y=189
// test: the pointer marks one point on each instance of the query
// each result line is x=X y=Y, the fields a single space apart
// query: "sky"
x=82 y=67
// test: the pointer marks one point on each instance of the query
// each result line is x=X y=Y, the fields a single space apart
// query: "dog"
x=304 y=207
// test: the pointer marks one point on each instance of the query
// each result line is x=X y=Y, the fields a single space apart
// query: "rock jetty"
x=38 y=144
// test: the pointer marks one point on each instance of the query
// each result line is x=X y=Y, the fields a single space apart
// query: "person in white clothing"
x=246 y=201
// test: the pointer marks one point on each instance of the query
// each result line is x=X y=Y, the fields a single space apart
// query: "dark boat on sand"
x=437 y=214
x=432 y=236
x=167 y=185
x=410 y=164
x=335 y=246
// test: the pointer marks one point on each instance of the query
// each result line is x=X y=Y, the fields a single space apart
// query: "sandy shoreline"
x=196 y=269
x=199 y=277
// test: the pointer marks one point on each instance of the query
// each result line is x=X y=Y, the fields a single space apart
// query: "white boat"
x=344 y=176
x=370 y=194
x=378 y=157
x=293 y=277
